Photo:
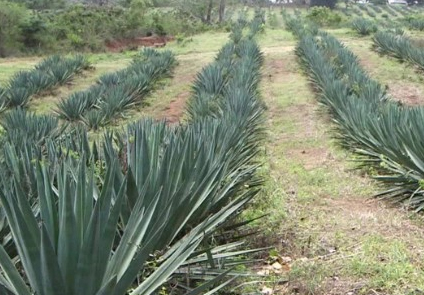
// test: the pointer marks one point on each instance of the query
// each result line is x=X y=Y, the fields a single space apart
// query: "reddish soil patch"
x=367 y=63
x=278 y=66
x=176 y=108
x=407 y=94
x=151 y=41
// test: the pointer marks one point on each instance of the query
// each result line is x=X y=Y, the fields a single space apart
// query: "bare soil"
x=174 y=112
x=407 y=94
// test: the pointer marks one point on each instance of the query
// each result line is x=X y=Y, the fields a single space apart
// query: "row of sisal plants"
x=384 y=134
x=49 y=73
x=150 y=205
x=399 y=46
x=415 y=23
x=398 y=10
x=376 y=8
x=117 y=92
x=366 y=9
x=390 y=11
x=357 y=11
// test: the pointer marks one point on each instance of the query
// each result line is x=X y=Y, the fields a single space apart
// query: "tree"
x=41 y=4
x=206 y=11
x=326 y=3
x=221 y=10
x=12 y=16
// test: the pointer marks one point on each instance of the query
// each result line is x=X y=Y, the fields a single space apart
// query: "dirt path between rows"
x=168 y=101
x=332 y=237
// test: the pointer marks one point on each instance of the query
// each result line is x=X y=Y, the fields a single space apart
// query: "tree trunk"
x=221 y=10
x=209 y=12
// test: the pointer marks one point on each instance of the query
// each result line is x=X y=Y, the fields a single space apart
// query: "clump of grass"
x=387 y=265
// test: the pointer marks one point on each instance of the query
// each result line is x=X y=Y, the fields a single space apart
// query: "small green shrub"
x=324 y=16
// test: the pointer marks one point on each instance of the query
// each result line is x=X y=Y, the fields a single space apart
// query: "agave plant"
x=61 y=73
x=363 y=26
x=399 y=10
x=357 y=11
x=295 y=26
x=226 y=52
x=397 y=31
x=416 y=24
x=79 y=62
x=210 y=80
x=3 y=99
x=115 y=102
x=18 y=96
x=137 y=86
x=390 y=11
x=148 y=53
x=256 y=26
x=61 y=69
x=111 y=79
x=346 y=12
x=371 y=14
x=376 y=8
x=236 y=34
x=73 y=108
x=49 y=62
x=299 y=26
x=21 y=126
x=94 y=119
x=20 y=79
x=40 y=81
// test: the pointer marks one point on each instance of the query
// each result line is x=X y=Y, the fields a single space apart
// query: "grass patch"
x=389 y=265
x=10 y=66
x=207 y=42
x=275 y=38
